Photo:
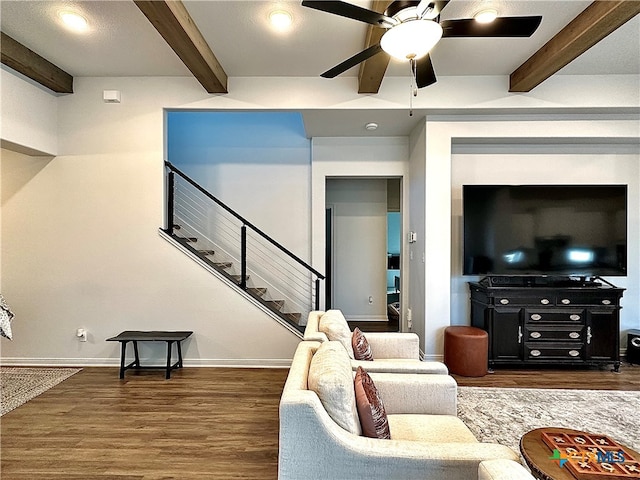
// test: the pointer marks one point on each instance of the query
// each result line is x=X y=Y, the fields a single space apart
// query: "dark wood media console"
x=544 y=322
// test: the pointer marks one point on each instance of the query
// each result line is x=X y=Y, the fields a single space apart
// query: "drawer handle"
x=575 y=316
x=606 y=301
x=574 y=353
x=565 y=301
x=535 y=334
x=535 y=353
x=544 y=301
x=519 y=334
x=536 y=316
x=574 y=335
x=589 y=335
x=504 y=301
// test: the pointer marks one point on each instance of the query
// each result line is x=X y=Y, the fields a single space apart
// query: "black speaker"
x=633 y=346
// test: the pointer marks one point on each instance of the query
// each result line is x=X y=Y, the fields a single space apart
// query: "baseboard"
x=115 y=362
x=367 y=318
x=433 y=357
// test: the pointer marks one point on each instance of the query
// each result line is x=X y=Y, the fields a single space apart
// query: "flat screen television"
x=554 y=230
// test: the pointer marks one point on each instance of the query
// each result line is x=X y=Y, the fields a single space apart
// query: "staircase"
x=233 y=249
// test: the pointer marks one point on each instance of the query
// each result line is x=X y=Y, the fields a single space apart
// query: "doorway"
x=363 y=221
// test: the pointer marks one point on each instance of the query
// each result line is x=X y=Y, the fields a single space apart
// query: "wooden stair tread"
x=223 y=264
x=277 y=304
x=257 y=291
x=207 y=252
x=294 y=317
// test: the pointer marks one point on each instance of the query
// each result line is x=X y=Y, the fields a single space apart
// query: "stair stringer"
x=227 y=281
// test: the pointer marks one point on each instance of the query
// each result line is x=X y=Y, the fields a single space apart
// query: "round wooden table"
x=538 y=455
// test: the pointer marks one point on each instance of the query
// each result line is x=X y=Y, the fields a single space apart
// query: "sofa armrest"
x=393 y=345
x=503 y=470
x=417 y=393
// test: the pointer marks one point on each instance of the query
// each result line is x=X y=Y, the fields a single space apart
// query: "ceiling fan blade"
x=353 y=61
x=500 y=27
x=425 y=75
x=348 y=10
x=440 y=5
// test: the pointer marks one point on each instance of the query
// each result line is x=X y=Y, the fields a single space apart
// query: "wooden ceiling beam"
x=373 y=69
x=596 y=22
x=172 y=20
x=30 y=64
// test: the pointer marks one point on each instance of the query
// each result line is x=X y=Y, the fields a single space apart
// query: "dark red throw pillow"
x=361 y=347
x=373 y=417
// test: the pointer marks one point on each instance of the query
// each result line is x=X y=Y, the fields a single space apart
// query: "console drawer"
x=553 y=351
x=591 y=298
x=516 y=300
x=554 y=315
x=554 y=333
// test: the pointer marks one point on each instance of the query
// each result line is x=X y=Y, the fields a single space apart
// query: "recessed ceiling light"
x=371 y=126
x=74 y=21
x=280 y=20
x=486 y=16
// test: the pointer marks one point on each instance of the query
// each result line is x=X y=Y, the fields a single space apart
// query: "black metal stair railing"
x=234 y=247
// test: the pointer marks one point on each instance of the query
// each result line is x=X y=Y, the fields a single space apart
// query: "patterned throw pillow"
x=373 y=417
x=331 y=378
x=333 y=324
x=361 y=347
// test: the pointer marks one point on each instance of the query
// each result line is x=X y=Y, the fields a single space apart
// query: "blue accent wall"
x=203 y=137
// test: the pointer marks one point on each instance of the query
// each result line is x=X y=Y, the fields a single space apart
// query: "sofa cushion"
x=502 y=469
x=331 y=378
x=429 y=428
x=361 y=347
x=335 y=327
x=373 y=417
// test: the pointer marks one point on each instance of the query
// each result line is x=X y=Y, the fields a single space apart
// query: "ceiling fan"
x=413 y=28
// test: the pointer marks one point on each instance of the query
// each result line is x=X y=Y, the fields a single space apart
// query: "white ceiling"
x=121 y=41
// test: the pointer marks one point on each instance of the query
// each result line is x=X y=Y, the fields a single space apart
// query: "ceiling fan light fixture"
x=411 y=40
x=486 y=16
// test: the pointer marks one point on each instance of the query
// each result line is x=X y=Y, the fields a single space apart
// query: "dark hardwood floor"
x=203 y=423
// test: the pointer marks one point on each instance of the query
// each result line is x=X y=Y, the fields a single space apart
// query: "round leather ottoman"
x=466 y=351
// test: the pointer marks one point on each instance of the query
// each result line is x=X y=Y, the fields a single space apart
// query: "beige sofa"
x=428 y=441
x=393 y=352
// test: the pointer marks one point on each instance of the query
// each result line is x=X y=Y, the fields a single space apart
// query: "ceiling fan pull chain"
x=413 y=87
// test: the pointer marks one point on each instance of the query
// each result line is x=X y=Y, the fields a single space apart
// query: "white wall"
x=350 y=157
x=80 y=244
x=359 y=246
x=416 y=224
x=29 y=115
x=442 y=290
x=79 y=238
x=606 y=167
x=241 y=156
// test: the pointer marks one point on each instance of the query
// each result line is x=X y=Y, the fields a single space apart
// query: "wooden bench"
x=154 y=336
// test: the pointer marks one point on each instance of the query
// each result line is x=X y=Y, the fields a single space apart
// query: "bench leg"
x=179 y=354
x=122 y=356
x=168 y=375
x=135 y=351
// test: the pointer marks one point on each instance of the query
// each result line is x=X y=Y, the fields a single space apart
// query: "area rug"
x=503 y=415
x=18 y=385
